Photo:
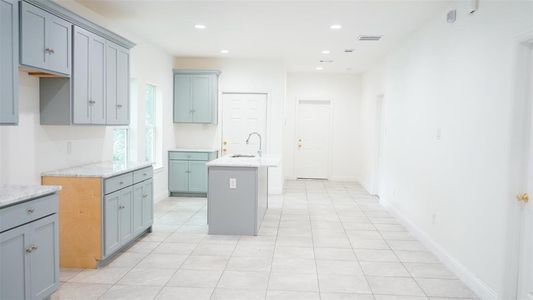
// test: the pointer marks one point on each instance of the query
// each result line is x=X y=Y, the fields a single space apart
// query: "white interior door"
x=525 y=284
x=242 y=114
x=313 y=130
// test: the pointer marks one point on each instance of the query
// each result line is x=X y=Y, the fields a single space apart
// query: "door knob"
x=225 y=142
x=299 y=145
x=523 y=197
x=224 y=149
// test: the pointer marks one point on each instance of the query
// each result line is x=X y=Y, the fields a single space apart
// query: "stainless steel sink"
x=242 y=155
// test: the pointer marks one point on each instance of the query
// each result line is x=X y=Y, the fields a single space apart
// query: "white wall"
x=241 y=75
x=30 y=148
x=345 y=94
x=454 y=190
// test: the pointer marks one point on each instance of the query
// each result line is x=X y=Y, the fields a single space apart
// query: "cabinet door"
x=148 y=203
x=44 y=260
x=80 y=103
x=117 y=80
x=8 y=62
x=14 y=262
x=125 y=215
x=182 y=99
x=32 y=43
x=178 y=176
x=138 y=208
x=58 y=40
x=111 y=223
x=197 y=177
x=202 y=100
x=97 y=79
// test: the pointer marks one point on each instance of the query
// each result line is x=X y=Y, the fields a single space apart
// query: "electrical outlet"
x=438 y=135
x=233 y=183
x=434 y=218
x=69 y=147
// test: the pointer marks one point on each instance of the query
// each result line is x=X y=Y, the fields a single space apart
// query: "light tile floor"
x=319 y=240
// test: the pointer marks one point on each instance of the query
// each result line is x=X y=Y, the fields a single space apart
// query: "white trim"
x=343 y=178
x=470 y=279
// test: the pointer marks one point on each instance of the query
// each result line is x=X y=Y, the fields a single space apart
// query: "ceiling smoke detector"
x=349 y=50
x=370 y=37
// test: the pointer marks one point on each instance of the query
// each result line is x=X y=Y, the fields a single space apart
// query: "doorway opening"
x=313 y=143
x=243 y=113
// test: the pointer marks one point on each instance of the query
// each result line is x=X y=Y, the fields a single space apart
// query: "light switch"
x=233 y=183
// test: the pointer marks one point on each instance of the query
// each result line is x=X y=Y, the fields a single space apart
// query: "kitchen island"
x=237 y=198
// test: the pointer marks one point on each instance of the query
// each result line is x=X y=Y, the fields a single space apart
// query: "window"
x=150 y=124
x=120 y=145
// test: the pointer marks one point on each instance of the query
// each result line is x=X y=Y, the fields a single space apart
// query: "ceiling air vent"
x=326 y=61
x=349 y=50
x=370 y=37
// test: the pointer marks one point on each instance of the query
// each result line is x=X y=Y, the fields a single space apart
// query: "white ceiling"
x=295 y=31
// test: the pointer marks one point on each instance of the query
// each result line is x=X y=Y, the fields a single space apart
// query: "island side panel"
x=79 y=220
x=232 y=211
x=262 y=195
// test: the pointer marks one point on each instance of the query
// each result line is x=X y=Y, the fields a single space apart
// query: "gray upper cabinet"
x=45 y=40
x=89 y=78
x=117 y=89
x=9 y=56
x=196 y=96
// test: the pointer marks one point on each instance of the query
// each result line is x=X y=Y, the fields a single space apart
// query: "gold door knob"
x=224 y=149
x=225 y=142
x=299 y=145
x=524 y=197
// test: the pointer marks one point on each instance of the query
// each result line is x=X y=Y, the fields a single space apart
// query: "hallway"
x=319 y=240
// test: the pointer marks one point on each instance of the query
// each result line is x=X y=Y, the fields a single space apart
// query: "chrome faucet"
x=260 y=151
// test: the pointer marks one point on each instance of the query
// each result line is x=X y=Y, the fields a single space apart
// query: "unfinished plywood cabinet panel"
x=80 y=220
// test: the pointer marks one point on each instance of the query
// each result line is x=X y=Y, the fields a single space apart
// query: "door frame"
x=380 y=136
x=296 y=132
x=267 y=118
x=524 y=122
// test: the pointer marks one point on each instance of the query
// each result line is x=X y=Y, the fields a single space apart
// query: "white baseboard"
x=343 y=178
x=470 y=279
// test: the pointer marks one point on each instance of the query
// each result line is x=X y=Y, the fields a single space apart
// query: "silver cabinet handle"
x=144 y=174
x=121 y=207
x=92 y=102
x=145 y=195
x=122 y=182
x=30 y=210
x=50 y=50
x=31 y=248
x=119 y=105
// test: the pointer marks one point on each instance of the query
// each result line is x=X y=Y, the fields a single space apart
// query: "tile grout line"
x=312 y=240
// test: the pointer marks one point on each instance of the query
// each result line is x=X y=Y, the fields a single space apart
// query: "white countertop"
x=100 y=169
x=250 y=162
x=13 y=194
x=193 y=150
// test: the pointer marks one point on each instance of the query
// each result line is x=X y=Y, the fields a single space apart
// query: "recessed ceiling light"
x=335 y=26
x=224 y=51
x=200 y=26
x=326 y=52
x=319 y=68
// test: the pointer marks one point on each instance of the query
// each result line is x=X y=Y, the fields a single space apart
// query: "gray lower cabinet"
x=45 y=40
x=89 y=80
x=187 y=172
x=29 y=257
x=196 y=96
x=9 y=56
x=128 y=209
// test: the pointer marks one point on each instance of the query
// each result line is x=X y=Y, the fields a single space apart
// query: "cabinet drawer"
x=142 y=174
x=189 y=155
x=28 y=211
x=116 y=183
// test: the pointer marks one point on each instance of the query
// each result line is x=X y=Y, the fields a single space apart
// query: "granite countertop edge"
x=14 y=194
x=98 y=170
